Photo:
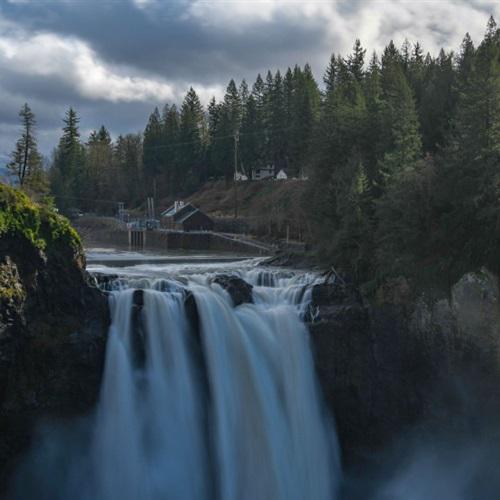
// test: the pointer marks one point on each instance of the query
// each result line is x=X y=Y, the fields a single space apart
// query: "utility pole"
x=236 y=138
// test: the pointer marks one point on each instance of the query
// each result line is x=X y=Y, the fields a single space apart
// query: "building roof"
x=182 y=214
x=186 y=216
x=176 y=209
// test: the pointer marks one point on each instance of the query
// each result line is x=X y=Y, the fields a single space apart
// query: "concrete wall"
x=175 y=240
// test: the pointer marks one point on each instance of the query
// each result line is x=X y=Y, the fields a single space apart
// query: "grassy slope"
x=266 y=206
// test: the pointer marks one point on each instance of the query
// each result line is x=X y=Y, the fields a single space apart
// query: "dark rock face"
x=53 y=327
x=239 y=290
x=388 y=366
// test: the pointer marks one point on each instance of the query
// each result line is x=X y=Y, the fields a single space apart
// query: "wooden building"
x=186 y=217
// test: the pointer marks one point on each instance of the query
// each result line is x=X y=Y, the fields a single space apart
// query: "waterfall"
x=224 y=406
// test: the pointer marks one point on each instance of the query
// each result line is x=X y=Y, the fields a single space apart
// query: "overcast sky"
x=114 y=60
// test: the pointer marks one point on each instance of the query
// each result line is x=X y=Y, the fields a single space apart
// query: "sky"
x=115 y=60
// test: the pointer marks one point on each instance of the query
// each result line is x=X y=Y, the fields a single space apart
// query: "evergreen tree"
x=192 y=142
x=68 y=169
x=371 y=137
x=153 y=150
x=275 y=114
x=244 y=94
x=233 y=107
x=127 y=158
x=26 y=162
x=405 y=146
x=330 y=75
x=304 y=118
x=172 y=175
x=437 y=102
x=356 y=61
x=251 y=154
x=99 y=180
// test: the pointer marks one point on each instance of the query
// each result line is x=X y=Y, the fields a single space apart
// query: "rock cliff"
x=53 y=324
x=403 y=360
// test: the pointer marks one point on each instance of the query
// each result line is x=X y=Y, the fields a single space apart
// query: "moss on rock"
x=11 y=288
x=40 y=225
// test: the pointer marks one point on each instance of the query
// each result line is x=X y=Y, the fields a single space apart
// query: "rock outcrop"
x=239 y=290
x=53 y=324
x=403 y=361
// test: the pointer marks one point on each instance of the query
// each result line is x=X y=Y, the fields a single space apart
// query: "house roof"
x=186 y=216
x=175 y=210
x=169 y=211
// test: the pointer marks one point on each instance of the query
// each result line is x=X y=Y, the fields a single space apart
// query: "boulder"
x=239 y=290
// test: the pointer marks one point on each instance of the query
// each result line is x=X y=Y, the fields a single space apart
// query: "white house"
x=261 y=173
x=281 y=175
x=239 y=176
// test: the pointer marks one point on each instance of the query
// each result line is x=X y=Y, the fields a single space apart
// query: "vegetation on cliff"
x=38 y=224
x=34 y=241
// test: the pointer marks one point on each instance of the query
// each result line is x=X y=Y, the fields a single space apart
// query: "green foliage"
x=40 y=225
x=26 y=161
x=19 y=216
x=405 y=177
x=56 y=229
x=68 y=173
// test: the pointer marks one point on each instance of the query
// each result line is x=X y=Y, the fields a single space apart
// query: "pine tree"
x=127 y=158
x=26 y=163
x=192 y=142
x=251 y=153
x=244 y=93
x=275 y=114
x=100 y=178
x=233 y=107
x=356 y=61
x=405 y=146
x=371 y=137
x=437 y=102
x=330 y=75
x=68 y=170
x=172 y=176
x=153 y=149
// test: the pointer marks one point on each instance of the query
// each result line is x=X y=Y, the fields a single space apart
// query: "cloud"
x=375 y=22
x=114 y=60
x=75 y=64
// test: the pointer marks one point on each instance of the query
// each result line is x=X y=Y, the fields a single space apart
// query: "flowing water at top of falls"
x=204 y=400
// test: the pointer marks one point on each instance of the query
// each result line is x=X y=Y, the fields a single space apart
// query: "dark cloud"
x=114 y=60
x=162 y=40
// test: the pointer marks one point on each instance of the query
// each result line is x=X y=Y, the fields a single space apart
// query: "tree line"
x=401 y=150
x=406 y=171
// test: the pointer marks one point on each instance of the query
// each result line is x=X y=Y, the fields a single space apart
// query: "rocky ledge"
x=239 y=290
x=53 y=323
x=403 y=361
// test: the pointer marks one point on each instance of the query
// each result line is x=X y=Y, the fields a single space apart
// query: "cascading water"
x=222 y=408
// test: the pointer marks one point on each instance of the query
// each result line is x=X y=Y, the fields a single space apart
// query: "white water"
x=232 y=412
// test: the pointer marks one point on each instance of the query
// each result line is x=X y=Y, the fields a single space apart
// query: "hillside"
x=264 y=208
